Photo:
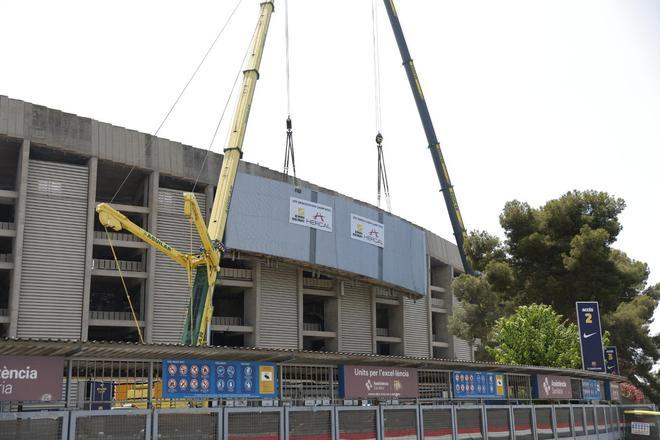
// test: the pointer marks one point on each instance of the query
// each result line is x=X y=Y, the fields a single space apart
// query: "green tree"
x=536 y=335
x=557 y=254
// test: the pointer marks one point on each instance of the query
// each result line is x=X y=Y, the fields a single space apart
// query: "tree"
x=536 y=335
x=557 y=254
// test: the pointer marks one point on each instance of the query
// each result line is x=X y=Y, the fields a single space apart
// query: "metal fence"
x=385 y=422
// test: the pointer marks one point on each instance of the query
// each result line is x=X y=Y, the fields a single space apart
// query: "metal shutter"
x=278 y=307
x=171 y=292
x=53 y=251
x=355 y=325
x=416 y=327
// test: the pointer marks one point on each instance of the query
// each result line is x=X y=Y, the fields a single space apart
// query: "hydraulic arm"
x=438 y=160
x=206 y=264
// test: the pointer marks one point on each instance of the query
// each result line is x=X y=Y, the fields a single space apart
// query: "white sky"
x=529 y=99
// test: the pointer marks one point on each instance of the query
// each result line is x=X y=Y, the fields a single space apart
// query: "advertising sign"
x=366 y=230
x=552 y=387
x=100 y=395
x=591 y=389
x=612 y=391
x=310 y=214
x=591 y=342
x=209 y=379
x=611 y=360
x=359 y=382
x=478 y=385
x=31 y=378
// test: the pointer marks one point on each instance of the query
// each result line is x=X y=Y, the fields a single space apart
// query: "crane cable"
x=178 y=98
x=123 y=283
x=382 y=172
x=289 y=157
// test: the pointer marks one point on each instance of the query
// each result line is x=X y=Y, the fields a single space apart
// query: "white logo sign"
x=639 y=428
x=367 y=230
x=310 y=214
x=588 y=335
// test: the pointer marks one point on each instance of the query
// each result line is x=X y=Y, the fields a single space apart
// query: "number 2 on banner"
x=588 y=318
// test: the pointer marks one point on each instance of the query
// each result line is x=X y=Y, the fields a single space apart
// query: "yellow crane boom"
x=207 y=263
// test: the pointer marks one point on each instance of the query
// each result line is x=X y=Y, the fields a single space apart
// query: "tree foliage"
x=556 y=254
x=536 y=335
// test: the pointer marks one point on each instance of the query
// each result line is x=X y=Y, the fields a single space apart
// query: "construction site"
x=174 y=293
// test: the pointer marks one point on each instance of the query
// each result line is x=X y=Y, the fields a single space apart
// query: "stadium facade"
x=355 y=280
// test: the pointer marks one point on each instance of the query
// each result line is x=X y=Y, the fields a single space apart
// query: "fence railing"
x=380 y=331
x=108 y=315
x=401 y=422
x=6 y=258
x=313 y=326
x=235 y=274
x=226 y=320
x=318 y=283
x=9 y=226
x=115 y=236
x=128 y=266
x=438 y=302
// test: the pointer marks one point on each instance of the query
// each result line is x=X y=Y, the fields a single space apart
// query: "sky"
x=530 y=99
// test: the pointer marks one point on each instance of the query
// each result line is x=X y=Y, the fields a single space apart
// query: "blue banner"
x=100 y=395
x=591 y=389
x=591 y=341
x=478 y=385
x=210 y=379
x=611 y=360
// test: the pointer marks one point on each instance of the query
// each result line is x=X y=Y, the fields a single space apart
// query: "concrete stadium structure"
x=282 y=285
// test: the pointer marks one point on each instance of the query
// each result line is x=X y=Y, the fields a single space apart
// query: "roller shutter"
x=278 y=307
x=171 y=292
x=51 y=293
x=416 y=327
x=356 y=326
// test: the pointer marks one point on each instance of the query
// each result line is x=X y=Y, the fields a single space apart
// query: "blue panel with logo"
x=611 y=360
x=592 y=389
x=210 y=379
x=478 y=385
x=100 y=394
x=591 y=341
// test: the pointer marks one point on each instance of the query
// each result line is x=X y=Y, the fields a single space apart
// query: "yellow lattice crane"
x=206 y=264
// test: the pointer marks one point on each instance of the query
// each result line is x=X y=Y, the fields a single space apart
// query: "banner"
x=310 y=214
x=551 y=387
x=209 y=379
x=611 y=360
x=31 y=378
x=478 y=384
x=366 y=230
x=591 y=341
x=100 y=395
x=359 y=382
x=591 y=389
x=612 y=391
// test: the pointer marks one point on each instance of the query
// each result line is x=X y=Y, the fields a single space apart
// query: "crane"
x=434 y=146
x=206 y=263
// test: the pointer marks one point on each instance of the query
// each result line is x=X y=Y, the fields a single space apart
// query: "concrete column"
x=92 y=165
x=152 y=226
x=257 y=300
x=209 y=192
x=374 y=346
x=429 y=314
x=340 y=296
x=300 y=301
x=19 y=219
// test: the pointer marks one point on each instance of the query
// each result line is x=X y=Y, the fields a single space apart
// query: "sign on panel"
x=478 y=384
x=31 y=378
x=360 y=382
x=310 y=214
x=552 y=387
x=591 y=339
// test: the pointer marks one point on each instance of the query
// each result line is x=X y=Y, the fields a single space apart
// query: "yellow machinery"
x=206 y=264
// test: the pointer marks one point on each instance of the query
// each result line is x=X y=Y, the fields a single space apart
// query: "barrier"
x=34 y=425
x=399 y=422
x=469 y=423
x=437 y=422
x=523 y=423
x=544 y=422
x=188 y=424
x=124 y=424
x=254 y=424
x=358 y=423
x=498 y=423
x=563 y=422
x=315 y=423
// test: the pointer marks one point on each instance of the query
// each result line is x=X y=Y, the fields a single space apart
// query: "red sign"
x=31 y=378
x=359 y=382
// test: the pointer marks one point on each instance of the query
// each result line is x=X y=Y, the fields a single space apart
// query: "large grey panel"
x=278 y=307
x=259 y=222
x=259 y=219
x=356 y=325
x=54 y=251
x=171 y=291
x=416 y=327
